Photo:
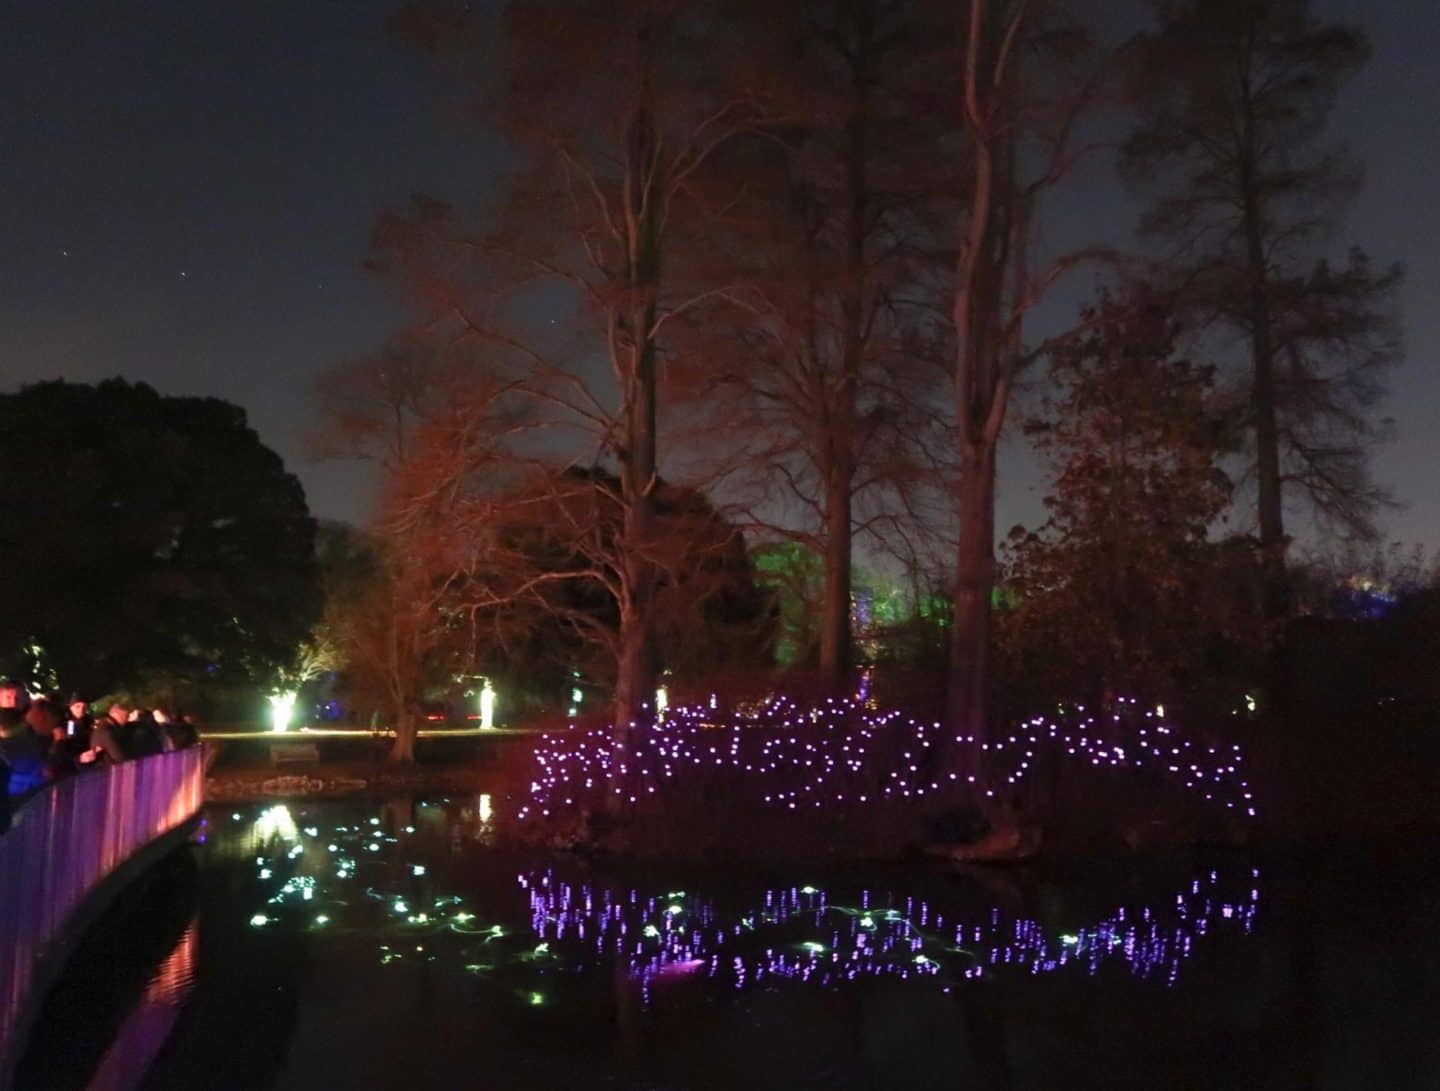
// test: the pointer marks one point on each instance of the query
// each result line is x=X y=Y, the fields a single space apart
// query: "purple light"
x=792 y=757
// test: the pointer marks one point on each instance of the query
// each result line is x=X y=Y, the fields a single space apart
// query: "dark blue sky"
x=186 y=191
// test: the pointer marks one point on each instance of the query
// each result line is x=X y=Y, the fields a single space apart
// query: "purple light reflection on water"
x=801 y=935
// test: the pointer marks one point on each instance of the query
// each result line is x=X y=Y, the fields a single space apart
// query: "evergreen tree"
x=1236 y=94
x=1119 y=587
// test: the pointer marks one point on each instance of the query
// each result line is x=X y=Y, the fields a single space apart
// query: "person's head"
x=44 y=718
x=160 y=716
x=77 y=708
x=119 y=712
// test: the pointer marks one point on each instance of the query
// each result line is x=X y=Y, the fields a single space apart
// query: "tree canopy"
x=1121 y=589
x=151 y=541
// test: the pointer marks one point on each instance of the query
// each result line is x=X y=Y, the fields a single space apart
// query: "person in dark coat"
x=28 y=752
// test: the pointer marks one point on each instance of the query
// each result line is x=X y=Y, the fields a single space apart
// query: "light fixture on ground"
x=282 y=708
x=487 y=706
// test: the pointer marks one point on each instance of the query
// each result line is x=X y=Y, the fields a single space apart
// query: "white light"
x=273 y=822
x=485 y=808
x=662 y=702
x=487 y=706
x=282 y=708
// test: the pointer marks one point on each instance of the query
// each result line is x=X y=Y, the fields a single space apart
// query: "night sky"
x=186 y=191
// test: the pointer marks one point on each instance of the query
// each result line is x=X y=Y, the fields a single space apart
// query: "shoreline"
x=840 y=841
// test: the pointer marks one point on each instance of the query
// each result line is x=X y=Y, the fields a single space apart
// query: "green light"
x=921 y=960
x=463 y=917
x=1069 y=940
x=543 y=949
x=651 y=931
x=808 y=890
x=867 y=921
x=536 y=1000
x=418 y=869
x=674 y=910
x=401 y=907
x=814 y=948
x=322 y=919
x=259 y=920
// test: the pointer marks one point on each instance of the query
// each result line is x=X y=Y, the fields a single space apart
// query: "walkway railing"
x=65 y=843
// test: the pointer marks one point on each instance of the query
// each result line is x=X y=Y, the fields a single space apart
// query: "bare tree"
x=819 y=389
x=1237 y=92
x=1023 y=94
x=441 y=422
x=614 y=110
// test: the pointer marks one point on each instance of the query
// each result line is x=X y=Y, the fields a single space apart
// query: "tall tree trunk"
x=635 y=679
x=836 y=639
x=1267 y=434
x=974 y=580
x=835 y=612
x=1271 y=515
x=406 y=732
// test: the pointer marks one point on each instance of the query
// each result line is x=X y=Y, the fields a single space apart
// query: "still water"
x=353 y=944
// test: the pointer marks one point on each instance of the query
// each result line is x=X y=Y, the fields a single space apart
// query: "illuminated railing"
x=65 y=842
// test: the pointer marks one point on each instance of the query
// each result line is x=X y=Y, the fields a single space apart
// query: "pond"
x=390 y=944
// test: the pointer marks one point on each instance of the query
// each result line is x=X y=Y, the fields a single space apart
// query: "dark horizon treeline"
x=786 y=253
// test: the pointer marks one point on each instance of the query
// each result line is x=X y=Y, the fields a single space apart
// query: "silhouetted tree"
x=148 y=537
x=1120 y=589
x=711 y=615
x=1235 y=99
x=821 y=388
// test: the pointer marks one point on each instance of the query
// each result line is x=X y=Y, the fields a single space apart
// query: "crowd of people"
x=45 y=740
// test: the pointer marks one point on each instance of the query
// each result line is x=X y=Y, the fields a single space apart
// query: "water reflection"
x=800 y=933
x=125 y=987
x=149 y=1024
x=392 y=944
x=377 y=874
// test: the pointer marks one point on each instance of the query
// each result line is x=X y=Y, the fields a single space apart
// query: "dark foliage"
x=151 y=541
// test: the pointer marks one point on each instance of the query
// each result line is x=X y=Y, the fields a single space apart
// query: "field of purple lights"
x=848 y=754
